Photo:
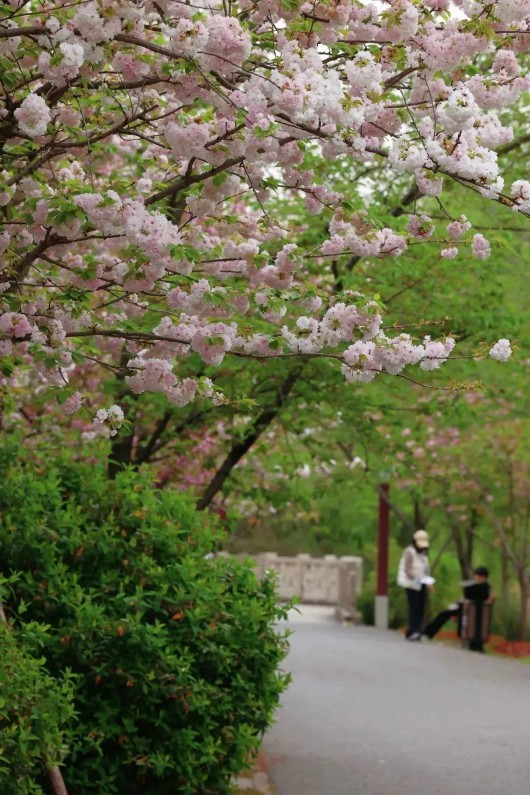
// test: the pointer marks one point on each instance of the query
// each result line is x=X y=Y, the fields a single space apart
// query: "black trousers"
x=438 y=622
x=416 y=600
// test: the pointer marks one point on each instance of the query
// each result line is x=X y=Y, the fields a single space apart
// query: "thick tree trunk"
x=121 y=452
x=469 y=551
x=470 y=539
x=418 y=516
x=460 y=551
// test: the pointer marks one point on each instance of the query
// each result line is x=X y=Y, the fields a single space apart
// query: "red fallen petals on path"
x=509 y=648
x=255 y=780
x=260 y=764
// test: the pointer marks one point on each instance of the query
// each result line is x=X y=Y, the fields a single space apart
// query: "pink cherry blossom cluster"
x=365 y=359
x=156 y=375
x=457 y=228
x=481 y=247
x=109 y=421
x=520 y=191
x=420 y=226
x=152 y=232
x=501 y=351
x=33 y=115
x=71 y=57
x=340 y=323
x=356 y=237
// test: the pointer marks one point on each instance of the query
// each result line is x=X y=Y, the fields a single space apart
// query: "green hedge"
x=175 y=654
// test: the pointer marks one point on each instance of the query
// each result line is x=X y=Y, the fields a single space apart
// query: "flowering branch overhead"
x=154 y=154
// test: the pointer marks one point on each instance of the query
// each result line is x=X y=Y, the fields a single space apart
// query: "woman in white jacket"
x=413 y=569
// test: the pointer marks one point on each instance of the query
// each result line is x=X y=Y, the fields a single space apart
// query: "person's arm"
x=409 y=564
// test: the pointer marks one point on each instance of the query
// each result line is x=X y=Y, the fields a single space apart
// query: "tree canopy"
x=185 y=184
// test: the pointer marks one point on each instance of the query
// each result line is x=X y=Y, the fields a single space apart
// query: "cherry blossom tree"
x=152 y=154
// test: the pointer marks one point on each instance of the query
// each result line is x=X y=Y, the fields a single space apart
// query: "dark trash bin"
x=474 y=623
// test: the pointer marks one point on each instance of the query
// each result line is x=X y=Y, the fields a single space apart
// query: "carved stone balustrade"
x=325 y=581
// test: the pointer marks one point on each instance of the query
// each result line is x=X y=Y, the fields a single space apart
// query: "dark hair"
x=481 y=571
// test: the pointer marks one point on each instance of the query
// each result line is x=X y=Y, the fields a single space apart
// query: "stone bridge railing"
x=325 y=581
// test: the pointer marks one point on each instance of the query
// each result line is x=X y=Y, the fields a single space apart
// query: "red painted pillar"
x=383 y=527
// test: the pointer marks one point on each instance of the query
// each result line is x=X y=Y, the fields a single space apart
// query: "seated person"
x=478 y=589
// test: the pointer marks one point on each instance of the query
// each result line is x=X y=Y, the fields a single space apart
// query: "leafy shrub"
x=175 y=652
x=366 y=606
x=33 y=711
x=505 y=617
x=397 y=607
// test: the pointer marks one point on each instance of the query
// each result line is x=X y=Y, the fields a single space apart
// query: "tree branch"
x=185 y=182
x=410 y=196
x=150 y=446
x=9 y=33
x=24 y=264
x=441 y=552
x=393 y=507
x=238 y=449
x=148 y=45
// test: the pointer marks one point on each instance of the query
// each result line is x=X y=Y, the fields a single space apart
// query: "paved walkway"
x=369 y=714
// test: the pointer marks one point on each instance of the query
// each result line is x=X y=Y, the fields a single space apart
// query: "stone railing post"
x=350 y=585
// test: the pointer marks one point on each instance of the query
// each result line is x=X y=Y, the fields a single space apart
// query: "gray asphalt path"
x=369 y=714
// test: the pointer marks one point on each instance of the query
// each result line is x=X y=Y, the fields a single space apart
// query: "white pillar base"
x=381 y=612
